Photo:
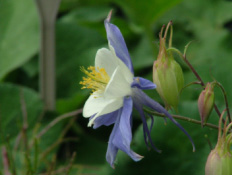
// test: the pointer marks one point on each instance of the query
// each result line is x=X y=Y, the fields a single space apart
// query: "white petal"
x=118 y=85
x=94 y=104
x=127 y=73
x=105 y=59
x=112 y=105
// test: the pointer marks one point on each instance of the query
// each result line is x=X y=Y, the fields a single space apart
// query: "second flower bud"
x=206 y=102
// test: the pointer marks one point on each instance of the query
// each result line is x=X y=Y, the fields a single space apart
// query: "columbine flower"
x=115 y=92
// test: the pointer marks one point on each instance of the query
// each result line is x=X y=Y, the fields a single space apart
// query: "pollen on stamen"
x=97 y=78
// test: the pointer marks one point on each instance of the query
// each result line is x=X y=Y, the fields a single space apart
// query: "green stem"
x=225 y=98
x=194 y=72
x=182 y=118
x=68 y=168
x=210 y=144
x=195 y=82
x=36 y=154
x=11 y=158
x=25 y=121
x=28 y=164
x=188 y=63
x=58 y=119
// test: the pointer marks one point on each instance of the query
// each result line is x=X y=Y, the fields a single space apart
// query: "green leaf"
x=19 y=39
x=69 y=104
x=144 y=13
x=98 y=153
x=11 y=102
x=31 y=68
x=89 y=14
x=66 y=5
x=142 y=55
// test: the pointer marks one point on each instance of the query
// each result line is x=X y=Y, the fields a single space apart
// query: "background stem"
x=47 y=11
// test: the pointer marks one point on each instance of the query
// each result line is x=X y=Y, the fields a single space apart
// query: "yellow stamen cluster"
x=97 y=78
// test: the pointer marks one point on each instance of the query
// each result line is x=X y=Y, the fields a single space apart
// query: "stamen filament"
x=97 y=78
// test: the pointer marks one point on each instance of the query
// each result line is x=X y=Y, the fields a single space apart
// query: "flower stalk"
x=178 y=117
x=225 y=98
x=183 y=56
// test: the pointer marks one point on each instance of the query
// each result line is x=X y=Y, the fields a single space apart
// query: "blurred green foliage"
x=79 y=34
x=19 y=34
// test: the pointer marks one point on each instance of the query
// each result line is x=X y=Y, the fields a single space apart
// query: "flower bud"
x=206 y=102
x=167 y=75
x=219 y=161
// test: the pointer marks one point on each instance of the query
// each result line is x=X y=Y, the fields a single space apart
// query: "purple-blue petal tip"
x=117 y=42
x=147 y=101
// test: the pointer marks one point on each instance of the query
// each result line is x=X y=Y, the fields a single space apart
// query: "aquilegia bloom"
x=115 y=92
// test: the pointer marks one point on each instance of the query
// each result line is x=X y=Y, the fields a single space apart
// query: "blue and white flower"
x=115 y=92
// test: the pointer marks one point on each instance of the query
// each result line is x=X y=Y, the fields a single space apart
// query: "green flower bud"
x=219 y=161
x=167 y=74
x=206 y=102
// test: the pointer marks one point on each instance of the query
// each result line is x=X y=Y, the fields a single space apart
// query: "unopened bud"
x=167 y=75
x=206 y=103
x=219 y=161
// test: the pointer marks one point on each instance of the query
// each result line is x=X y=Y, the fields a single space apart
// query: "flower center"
x=97 y=79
